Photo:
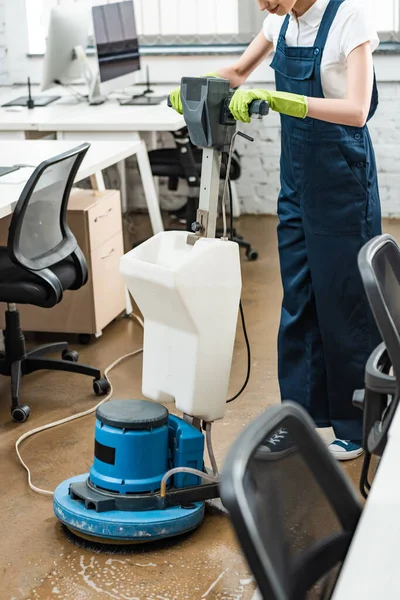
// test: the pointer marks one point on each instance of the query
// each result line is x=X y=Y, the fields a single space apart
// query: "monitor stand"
x=144 y=99
x=92 y=79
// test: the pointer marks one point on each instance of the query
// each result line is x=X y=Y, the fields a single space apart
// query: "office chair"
x=42 y=260
x=379 y=265
x=184 y=162
x=292 y=507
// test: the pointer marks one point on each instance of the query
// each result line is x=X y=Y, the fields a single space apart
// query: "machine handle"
x=259 y=107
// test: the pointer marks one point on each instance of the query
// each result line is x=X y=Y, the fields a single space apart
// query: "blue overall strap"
x=326 y=23
x=284 y=28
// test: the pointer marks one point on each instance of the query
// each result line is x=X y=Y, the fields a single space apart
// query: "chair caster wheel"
x=101 y=387
x=84 y=339
x=252 y=254
x=21 y=413
x=70 y=355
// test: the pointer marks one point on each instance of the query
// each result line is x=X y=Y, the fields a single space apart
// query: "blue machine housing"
x=186 y=447
x=130 y=460
x=136 y=443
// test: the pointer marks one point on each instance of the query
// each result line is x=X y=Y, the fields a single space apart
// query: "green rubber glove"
x=293 y=105
x=175 y=99
x=175 y=95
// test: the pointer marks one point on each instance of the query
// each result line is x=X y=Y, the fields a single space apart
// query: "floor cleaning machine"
x=148 y=480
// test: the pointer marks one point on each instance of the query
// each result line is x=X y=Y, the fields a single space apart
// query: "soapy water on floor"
x=89 y=578
x=206 y=565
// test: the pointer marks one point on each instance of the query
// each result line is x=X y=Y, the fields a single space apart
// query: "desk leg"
x=150 y=139
x=128 y=303
x=97 y=182
x=149 y=189
x=122 y=179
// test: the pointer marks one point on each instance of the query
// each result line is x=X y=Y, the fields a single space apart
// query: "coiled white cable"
x=84 y=413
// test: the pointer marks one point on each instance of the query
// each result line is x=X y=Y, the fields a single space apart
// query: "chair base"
x=251 y=252
x=16 y=362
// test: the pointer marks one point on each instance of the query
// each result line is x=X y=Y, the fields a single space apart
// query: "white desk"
x=371 y=569
x=31 y=152
x=74 y=120
x=69 y=115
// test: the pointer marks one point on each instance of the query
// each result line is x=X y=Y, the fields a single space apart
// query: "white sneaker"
x=345 y=449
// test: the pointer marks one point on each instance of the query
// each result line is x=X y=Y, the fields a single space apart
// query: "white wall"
x=3 y=45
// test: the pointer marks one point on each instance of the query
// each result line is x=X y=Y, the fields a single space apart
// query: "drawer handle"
x=102 y=216
x=109 y=254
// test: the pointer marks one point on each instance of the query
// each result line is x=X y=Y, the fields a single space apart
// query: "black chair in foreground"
x=292 y=507
x=41 y=261
x=379 y=264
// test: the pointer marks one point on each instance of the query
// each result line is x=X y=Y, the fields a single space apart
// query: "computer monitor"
x=67 y=40
x=117 y=44
x=117 y=49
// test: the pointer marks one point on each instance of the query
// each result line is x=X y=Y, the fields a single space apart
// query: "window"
x=172 y=22
x=166 y=22
x=387 y=18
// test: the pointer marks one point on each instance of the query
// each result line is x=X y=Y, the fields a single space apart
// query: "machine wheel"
x=252 y=254
x=70 y=355
x=21 y=413
x=84 y=339
x=101 y=387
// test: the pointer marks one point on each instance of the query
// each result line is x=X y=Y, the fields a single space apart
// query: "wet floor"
x=37 y=561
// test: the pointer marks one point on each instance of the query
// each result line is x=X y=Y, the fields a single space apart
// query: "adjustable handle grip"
x=259 y=107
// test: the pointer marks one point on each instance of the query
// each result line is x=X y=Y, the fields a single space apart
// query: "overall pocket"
x=335 y=195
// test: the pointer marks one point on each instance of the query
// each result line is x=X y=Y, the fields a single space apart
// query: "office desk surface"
x=30 y=152
x=69 y=114
x=371 y=569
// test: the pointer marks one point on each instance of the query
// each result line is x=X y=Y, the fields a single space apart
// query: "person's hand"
x=175 y=99
x=175 y=95
x=293 y=105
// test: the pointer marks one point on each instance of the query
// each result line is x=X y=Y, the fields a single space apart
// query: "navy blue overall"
x=328 y=208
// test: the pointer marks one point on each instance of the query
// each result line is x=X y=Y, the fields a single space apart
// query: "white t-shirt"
x=353 y=26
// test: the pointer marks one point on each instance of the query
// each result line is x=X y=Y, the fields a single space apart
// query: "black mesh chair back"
x=379 y=265
x=292 y=507
x=39 y=236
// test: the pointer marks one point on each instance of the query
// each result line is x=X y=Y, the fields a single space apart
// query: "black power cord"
x=246 y=337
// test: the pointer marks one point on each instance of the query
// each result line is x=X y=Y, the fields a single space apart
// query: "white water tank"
x=189 y=297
